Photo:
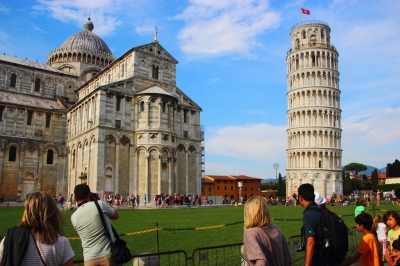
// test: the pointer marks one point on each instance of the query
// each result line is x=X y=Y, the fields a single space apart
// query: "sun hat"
x=319 y=199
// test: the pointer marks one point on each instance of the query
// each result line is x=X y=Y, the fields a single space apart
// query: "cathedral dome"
x=85 y=47
x=86 y=40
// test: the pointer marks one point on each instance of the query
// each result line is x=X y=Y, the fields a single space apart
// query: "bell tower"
x=314 y=129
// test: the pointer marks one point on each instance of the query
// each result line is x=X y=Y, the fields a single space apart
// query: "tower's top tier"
x=310 y=34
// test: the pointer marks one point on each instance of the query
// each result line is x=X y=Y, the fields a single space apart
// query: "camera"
x=300 y=248
x=94 y=196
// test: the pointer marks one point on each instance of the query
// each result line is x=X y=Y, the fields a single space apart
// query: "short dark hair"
x=394 y=214
x=81 y=192
x=365 y=219
x=397 y=193
x=307 y=192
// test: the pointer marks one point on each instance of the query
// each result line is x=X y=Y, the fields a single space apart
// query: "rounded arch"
x=181 y=148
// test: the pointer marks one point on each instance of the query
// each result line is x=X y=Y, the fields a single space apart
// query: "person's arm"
x=395 y=257
x=70 y=262
x=115 y=216
x=353 y=259
x=310 y=248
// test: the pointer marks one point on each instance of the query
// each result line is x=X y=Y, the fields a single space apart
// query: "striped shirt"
x=56 y=254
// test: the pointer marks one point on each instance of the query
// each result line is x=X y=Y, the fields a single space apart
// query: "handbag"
x=120 y=253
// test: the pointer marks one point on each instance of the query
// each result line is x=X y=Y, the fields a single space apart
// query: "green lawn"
x=178 y=226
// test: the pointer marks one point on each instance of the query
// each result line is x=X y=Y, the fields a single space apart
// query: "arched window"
x=12 y=154
x=37 y=85
x=50 y=156
x=304 y=34
x=155 y=72
x=13 y=80
x=142 y=107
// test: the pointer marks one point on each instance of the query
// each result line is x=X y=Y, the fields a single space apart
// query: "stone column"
x=132 y=169
x=333 y=183
x=148 y=115
x=116 y=176
x=323 y=192
x=160 y=107
x=175 y=175
x=187 y=171
x=20 y=169
x=1 y=160
x=159 y=175
x=146 y=185
x=170 y=167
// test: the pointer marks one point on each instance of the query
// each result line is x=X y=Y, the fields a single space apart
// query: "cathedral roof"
x=26 y=62
x=11 y=98
x=155 y=90
x=86 y=40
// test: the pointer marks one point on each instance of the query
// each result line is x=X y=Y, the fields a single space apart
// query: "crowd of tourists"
x=40 y=239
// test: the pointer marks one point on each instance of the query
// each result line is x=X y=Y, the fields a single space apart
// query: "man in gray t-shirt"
x=87 y=223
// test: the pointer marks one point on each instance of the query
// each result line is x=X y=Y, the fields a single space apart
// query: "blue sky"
x=232 y=62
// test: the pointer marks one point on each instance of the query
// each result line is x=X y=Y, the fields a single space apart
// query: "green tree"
x=355 y=167
x=347 y=184
x=374 y=180
x=365 y=177
x=284 y=188
x=279 y=186
x=356 y=184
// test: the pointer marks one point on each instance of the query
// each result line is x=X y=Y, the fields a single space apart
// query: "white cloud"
x=104 y=13
x=224 y=27
x=214 y=79
x=144 y=29
x=225 y=169
x=372 y=138
x=260 y=142
x=4 y=8
x=39 y=29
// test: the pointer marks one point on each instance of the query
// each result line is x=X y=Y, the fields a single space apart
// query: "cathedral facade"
x=120 y=125
x=314 y=131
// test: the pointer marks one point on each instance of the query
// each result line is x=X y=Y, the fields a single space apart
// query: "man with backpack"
x=325 y=234
x=313 y=225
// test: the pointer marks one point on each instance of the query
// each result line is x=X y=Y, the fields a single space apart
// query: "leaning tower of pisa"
x=314 y=130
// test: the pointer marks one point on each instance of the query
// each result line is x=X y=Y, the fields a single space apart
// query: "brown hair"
x=43 y=217
x=361 y=201
x=256 y=212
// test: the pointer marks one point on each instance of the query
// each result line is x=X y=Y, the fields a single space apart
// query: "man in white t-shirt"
x=87 y=223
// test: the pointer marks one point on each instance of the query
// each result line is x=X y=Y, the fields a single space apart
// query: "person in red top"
x=205 y=200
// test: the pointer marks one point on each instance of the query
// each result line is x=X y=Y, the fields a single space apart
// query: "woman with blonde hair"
x=39 y=239
x=264 y=243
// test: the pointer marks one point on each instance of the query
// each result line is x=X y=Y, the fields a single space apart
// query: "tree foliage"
x=356 y=184
x=374 y=180
x=393 y=169
x=355 y=167
x=279 y=186
x=347 y=184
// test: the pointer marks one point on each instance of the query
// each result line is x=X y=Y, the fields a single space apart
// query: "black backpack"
x=335 y=241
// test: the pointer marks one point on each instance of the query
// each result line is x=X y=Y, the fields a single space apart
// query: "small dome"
x=86 y=40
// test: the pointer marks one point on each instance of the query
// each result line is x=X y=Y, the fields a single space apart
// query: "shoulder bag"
x=120 y=253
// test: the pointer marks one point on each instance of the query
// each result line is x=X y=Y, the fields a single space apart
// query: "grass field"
x=177 y=226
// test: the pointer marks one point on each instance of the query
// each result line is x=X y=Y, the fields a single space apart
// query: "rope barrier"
x=214 y=226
